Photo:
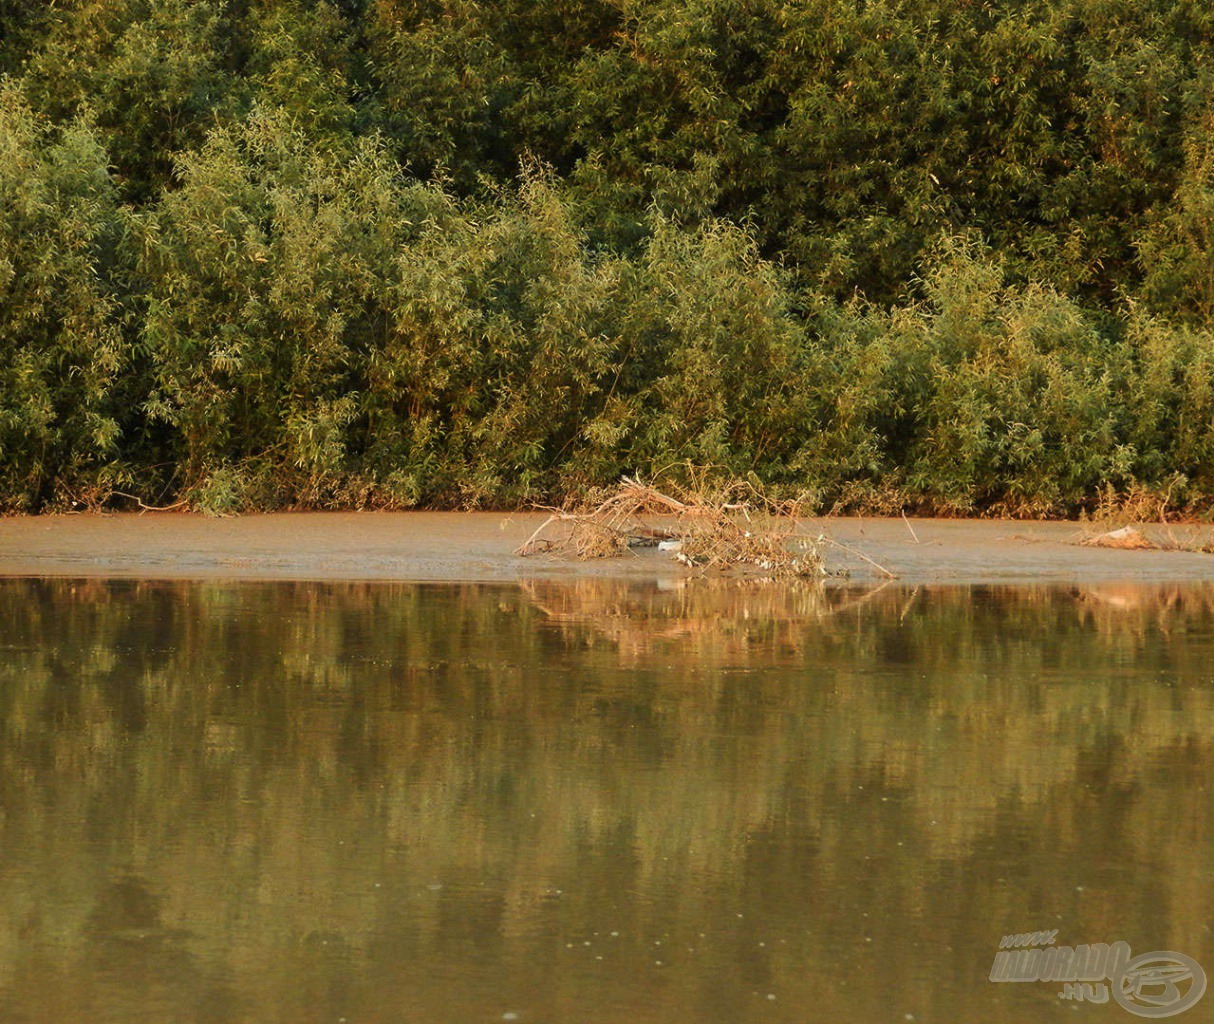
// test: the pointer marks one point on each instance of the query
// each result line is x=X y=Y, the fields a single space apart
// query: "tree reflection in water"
x=402 y=802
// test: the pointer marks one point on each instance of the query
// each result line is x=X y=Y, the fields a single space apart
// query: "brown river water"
x=595 y=801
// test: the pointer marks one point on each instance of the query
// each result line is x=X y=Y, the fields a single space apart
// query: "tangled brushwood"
x=734 y=527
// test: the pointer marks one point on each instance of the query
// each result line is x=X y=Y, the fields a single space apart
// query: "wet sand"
x=479 y=547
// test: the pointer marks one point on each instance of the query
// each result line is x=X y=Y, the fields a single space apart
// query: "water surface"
x=592 y=802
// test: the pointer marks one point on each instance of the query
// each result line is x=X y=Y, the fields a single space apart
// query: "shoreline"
x=468 y=547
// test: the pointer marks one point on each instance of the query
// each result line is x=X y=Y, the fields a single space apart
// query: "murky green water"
x=592 y=803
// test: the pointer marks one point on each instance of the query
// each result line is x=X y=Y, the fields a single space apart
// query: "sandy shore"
x=474 y=547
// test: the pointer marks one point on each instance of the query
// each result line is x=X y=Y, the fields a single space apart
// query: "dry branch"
x=733 y=528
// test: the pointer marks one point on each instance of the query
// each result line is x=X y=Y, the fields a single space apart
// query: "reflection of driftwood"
x=736 y=528
x=708 y=617
x=713 y=620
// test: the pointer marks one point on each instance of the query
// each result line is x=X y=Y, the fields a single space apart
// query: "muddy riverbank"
x=480 y=546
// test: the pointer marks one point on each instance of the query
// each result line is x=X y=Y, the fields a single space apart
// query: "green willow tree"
x=152 y=72
x=943 y=255
x=63 y=353
x=267 y=273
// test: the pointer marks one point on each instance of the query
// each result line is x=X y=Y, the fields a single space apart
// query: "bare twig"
x=860 y=554
x=151 y=508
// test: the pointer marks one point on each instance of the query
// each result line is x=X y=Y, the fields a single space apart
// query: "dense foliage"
x=945 y=255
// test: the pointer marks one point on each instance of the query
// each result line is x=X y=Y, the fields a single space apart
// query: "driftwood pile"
x=735 y=527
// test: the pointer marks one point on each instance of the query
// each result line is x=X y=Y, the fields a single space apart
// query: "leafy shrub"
x=945 y=256
x=62 y=349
